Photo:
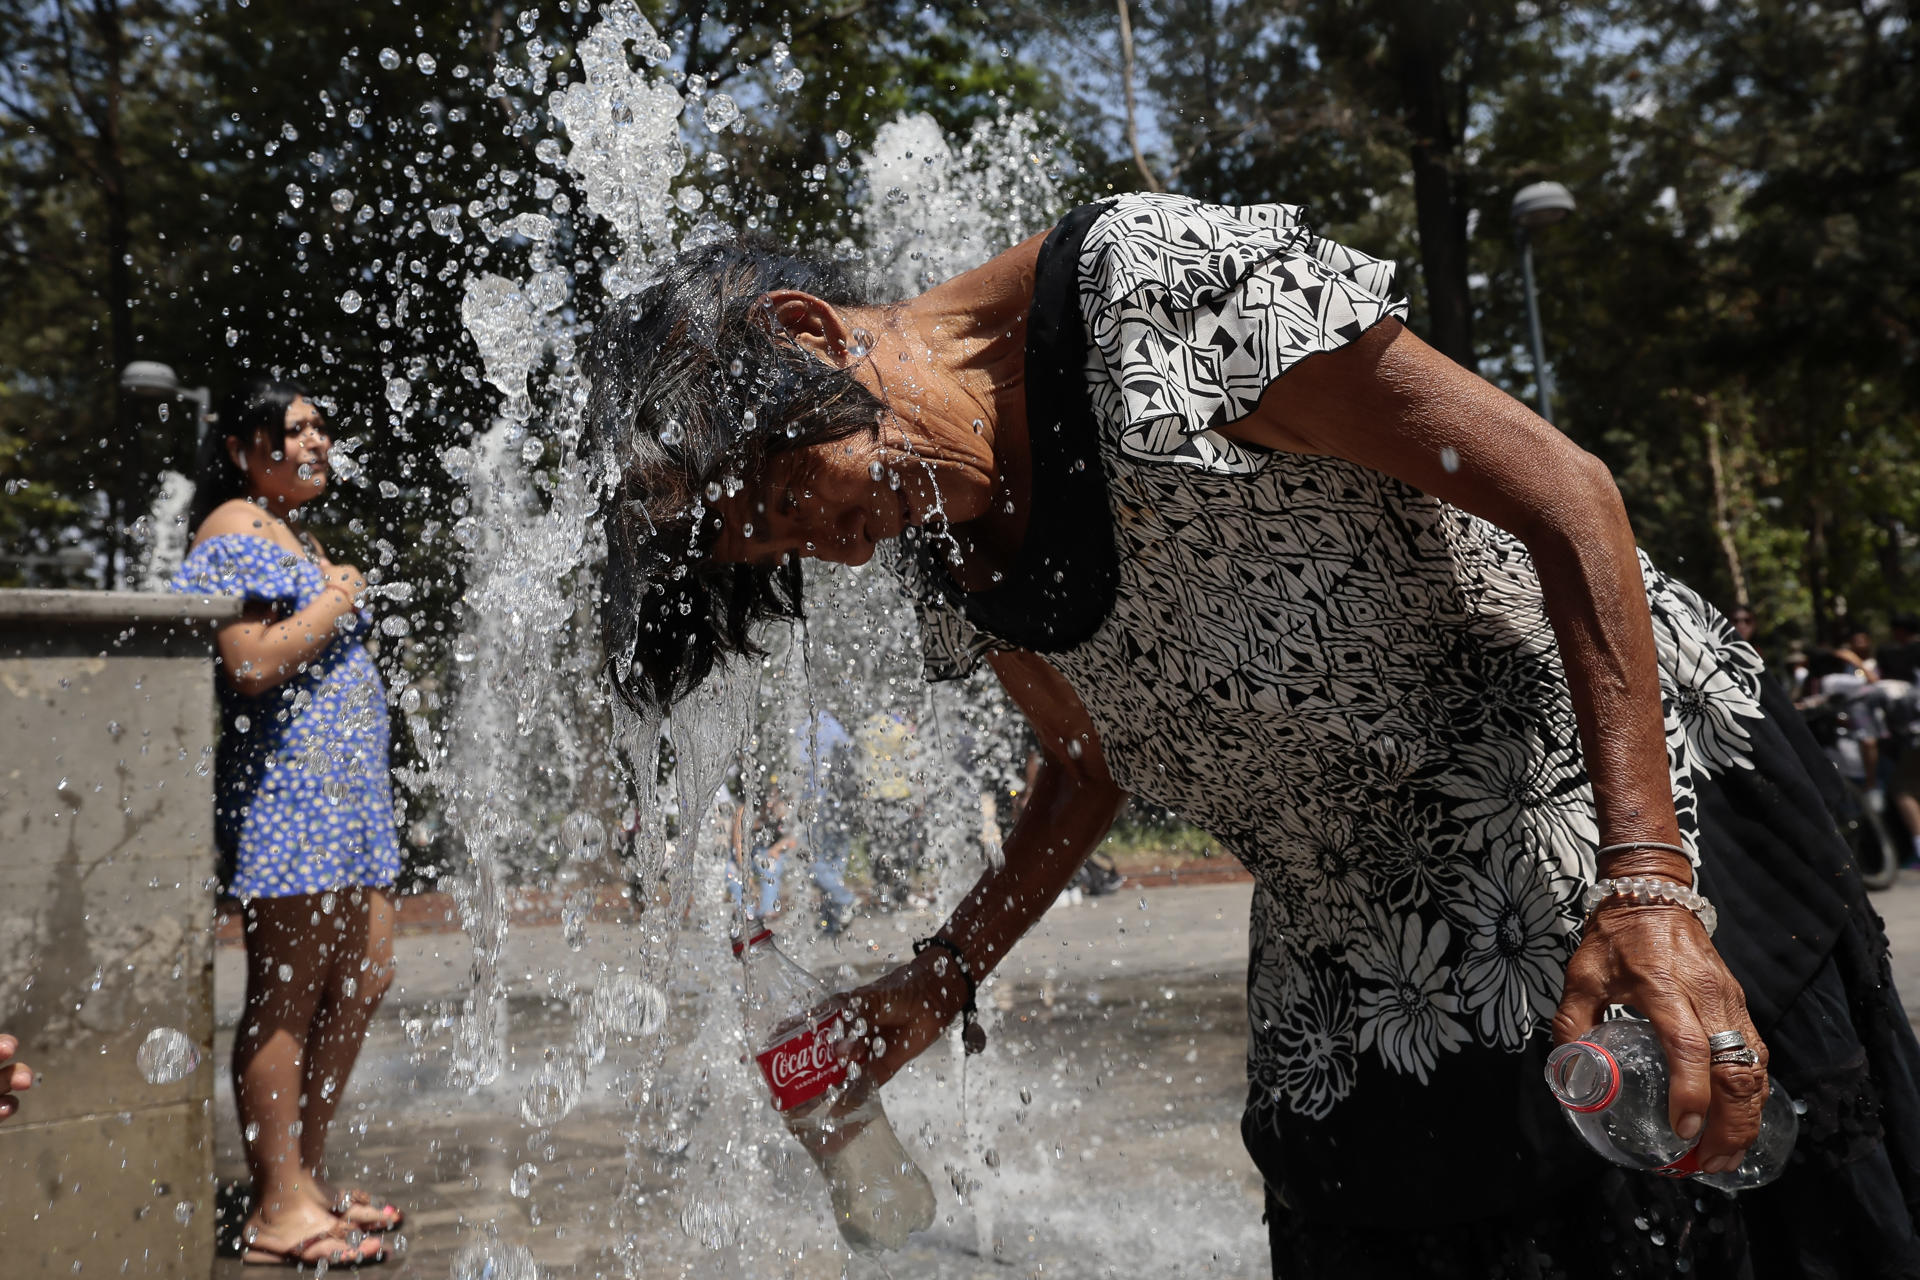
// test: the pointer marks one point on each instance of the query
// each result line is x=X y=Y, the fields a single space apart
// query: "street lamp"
x=1540 y=204
x=158 y=381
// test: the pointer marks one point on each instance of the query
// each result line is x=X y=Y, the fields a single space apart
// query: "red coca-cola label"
x=803 y=1066
x=1685 y=1167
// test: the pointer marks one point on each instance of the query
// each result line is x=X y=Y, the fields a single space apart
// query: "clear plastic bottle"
x=1612 y=1083
x=880 y=1196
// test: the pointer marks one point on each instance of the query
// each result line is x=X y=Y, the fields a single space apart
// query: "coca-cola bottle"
x=1612 y=1083
x=879 y=1195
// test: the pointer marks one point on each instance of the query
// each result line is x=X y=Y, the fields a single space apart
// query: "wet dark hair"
x=693 y=386
x=256 y=405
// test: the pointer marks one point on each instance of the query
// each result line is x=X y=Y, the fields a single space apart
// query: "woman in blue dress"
x=303 y=816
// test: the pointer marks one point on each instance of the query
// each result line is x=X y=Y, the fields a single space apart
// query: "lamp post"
x=1540 y=204
x=158 y=381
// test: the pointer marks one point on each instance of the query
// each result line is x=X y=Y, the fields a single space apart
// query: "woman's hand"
x=348 y=579
x=15 y=1077
x=890 y=1022
x=1657 y=958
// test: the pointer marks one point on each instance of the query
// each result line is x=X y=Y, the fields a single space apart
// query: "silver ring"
x=1741 y=1057
x=1725 y=1040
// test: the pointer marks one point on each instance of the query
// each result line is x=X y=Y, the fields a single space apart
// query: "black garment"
x=1898 y=661
x=1355 y=688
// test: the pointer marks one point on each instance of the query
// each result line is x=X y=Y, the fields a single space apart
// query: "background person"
x=303 y=814
x=1237 y=542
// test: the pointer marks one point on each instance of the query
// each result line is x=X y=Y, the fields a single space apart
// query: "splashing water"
x=524 y=751
x=167 y=1056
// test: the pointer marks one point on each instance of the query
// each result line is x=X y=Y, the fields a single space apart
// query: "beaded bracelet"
x=1647 y=889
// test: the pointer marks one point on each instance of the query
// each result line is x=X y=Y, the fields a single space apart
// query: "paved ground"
x=1097 y=1137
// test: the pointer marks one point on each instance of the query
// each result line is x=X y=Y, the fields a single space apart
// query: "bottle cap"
x=760 y=936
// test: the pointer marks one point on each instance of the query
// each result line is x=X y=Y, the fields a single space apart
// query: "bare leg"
x=361 y=925
x=287 y=962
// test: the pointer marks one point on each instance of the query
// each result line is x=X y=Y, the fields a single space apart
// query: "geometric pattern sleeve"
x=950 y=645
x=1195 y=309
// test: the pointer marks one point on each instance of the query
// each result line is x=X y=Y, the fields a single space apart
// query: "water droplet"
x=673 y=433
x=520 y=1185
x=689 y=198
x=583 y=837
x=356 y=117
x=445 y=221
x=492 y=1260
x=286 y=972
x=395 y=625
x=342 y=199
x=410 y=701
x=547 y=151
x=252 y=1133
x=625 y=1004
x=714 y=1223
x=426 y=64
x=749 y=420
x=991 y=1158
x=296 y=194
x=532 y=450
x=713 y=491
x=1026 y=1097
x=791 y=79
x=327 y=903
x=573 y=919
x=720 y=112
x=398 y=392
x=347 y=987
x=875 y=470
x=167 y=1056
x=183 y=1212
x=552 y=1092
x=1074 y=749
x=1449 y=459
x=350 y=302
x=390 y=59
x=861 y=344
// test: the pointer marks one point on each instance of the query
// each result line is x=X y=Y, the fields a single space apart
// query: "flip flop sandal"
x=261 y=1255
x=391 y=1217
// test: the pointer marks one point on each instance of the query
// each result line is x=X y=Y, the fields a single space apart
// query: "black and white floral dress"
x=1355 y=689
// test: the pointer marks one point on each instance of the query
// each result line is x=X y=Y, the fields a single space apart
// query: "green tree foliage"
x=1729 y=314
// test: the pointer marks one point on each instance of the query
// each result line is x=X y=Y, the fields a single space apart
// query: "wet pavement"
x=1098 y=1137
x=1101 y=1125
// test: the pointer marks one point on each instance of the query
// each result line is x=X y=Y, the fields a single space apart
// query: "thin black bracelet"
x=972 y=1035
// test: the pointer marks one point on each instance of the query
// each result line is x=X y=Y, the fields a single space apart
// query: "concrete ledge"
x=106 y=851
x=110 y=608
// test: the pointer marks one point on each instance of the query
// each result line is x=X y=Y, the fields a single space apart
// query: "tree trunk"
x=1722 y=518
x=1817 y=572
x=1419 y=38
x=125 y=494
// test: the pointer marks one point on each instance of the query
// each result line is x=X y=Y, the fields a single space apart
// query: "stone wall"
x=106 y=856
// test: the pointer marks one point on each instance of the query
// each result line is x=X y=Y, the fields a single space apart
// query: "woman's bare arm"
x=260 y=652
x=1069 y=809
x=1391 y=403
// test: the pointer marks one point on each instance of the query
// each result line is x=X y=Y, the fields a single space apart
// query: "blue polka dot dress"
x=303 y=800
